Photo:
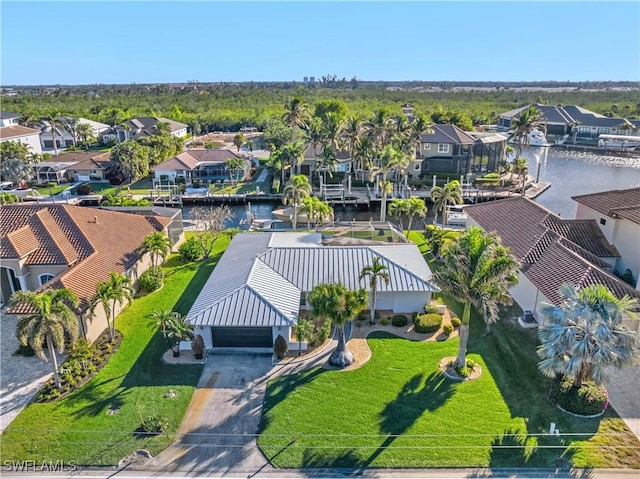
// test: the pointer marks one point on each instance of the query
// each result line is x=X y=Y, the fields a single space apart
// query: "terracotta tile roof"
x=16 y=131
x=84 y=160
x=585 y=233
x=614 y=203
x=70 y=234
x=548 y=257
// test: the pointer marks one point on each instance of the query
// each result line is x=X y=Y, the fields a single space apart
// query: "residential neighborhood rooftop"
x=614 y=203
x=16 y=131
x=447 y=134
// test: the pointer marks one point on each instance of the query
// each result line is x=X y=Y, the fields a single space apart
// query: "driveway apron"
x=220 y=427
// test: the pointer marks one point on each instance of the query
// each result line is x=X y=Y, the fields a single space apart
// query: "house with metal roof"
x=617 y=213
x=262 y=282
x=551 y=250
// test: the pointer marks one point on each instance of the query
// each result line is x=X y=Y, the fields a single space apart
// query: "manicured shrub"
x=465 y=371
x=414 y=315
x=447 y=329
x=399 y=320
x=384 y=322
x=428 y=323
x=197 y=346
x=154 y=424
x=586 y=400
x=430 y=309
x=455 y=322
x=8 y=198
x=376 y=315
x=280 y=347
x=152 y=280
x=83 y=190
x=190 y=250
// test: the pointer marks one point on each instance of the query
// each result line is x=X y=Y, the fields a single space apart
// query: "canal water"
x=570 y=173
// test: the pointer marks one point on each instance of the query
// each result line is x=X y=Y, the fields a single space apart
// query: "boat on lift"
x=618 y=142
x=536 y=138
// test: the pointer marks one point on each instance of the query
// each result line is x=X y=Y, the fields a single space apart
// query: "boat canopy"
x=620 y=138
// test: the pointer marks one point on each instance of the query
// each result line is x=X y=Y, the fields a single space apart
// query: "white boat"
x=286 y=215
x=536 y=138
x=619 y=142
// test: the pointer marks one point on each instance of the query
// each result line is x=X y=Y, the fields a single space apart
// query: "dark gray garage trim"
x=241 y=337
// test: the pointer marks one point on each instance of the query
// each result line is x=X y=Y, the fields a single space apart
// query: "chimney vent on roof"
x=95 y=219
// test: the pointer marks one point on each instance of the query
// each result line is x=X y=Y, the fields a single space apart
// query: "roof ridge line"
x=409 y=272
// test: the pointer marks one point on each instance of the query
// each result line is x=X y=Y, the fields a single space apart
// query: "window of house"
x=603 y=221
x=443 y=148
x=416 y=167
x=427 y=146
x=303 y=299
x=45 y=278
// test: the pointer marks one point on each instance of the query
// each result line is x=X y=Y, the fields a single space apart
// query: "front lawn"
x=51 y=190
x=397 y=410
x=134 y=383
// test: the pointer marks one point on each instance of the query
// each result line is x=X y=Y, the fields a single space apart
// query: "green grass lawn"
x=77 y=428
x=397 y=410
x=98 y=188
x=46 y=191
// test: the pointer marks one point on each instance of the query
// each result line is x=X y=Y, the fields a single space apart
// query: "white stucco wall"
x=528 y=296
x=32 y=141
x=171 y=174
x=402 y=302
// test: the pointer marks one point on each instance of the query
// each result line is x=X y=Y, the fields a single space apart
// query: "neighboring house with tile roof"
x=262 y=281
x=7 y=118
x=73 y=247
x=573 y=119
x=551 y=250
x=200 y=164
x=21 y=134
x=142 y=126
x=617 y=213
x=444 y=148
x=74 y=166
x=63 y=135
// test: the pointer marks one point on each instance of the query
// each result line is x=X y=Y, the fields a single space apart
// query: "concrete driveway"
x=20 y=377
x=218 y=433
x=624 y=394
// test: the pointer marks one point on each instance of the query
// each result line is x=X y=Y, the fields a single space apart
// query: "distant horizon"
x=122 y=43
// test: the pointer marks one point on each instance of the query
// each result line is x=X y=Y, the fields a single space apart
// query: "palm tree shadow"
x=414 y=399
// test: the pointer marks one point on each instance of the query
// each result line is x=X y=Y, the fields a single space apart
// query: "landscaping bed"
x=96 y=424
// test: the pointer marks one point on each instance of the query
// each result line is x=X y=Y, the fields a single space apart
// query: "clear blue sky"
x=148 y=42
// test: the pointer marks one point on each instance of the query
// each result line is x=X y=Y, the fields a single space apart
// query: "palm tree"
x=415 y=207
x=239 y=140
x=293 y=154
x=326 y=162
x=477 y=272
x=374 y=272
x=235 y=166
x=337 y=303
x=528 y=120
x=16 y=170
x=332 y=126
x=352 y=131
x=158 y=245
x=304 y=330
x=85 y=134
x=296 y=115
x=116 y=290
x=397 y=208
x=391 y=159
x=297 y=188
x=174 y=328
x=451 y=193
x=55 y=119
x=519 y=165
x=71 y=125
x=362 y=154
x=584 y=337
x=162 y=128
x=50 y=319
x=440 y=239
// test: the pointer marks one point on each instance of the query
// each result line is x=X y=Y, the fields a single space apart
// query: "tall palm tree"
x=390 y=160
x=363 y=154
x=297 y=188
x=115 y=291
x=85 y=134
x=519 y=166
x=332 y=126
x=158 y=245
x=55 y=119
x=375 y=272
x=352 y=131
x=584 y=337
x=71 y=125
x=398 y=208
x=337 y=303
x=528 y=120
x=326 y=162
x=451 y=193
x=293 y=154
x=50 y=319
x=296 y=115
x=477 y=271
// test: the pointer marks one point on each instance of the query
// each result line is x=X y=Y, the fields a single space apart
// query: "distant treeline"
x=212 y=107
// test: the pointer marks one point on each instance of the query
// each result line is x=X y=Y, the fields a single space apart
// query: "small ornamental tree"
x=280 y=347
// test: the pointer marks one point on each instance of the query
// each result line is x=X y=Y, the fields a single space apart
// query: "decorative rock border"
x=451 y=373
